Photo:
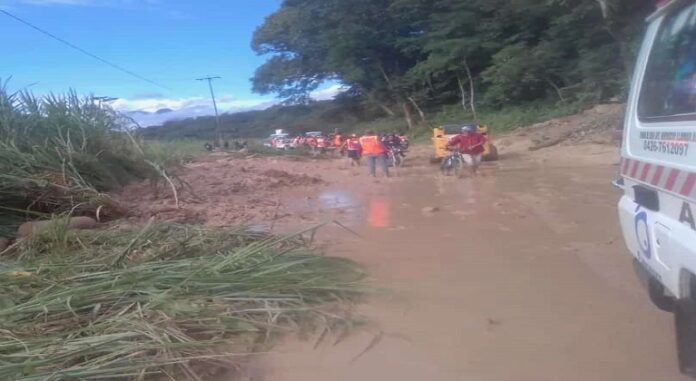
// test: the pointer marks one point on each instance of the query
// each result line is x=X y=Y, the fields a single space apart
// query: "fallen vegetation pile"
x=60 y=153
x=164 y=300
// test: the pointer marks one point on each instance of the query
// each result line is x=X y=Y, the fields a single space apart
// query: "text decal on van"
x=667 y=142
x=687 y=216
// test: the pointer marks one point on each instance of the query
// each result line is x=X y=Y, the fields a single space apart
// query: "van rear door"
x=659 y=150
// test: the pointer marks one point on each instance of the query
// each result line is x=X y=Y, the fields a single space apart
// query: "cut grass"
x=161 y=300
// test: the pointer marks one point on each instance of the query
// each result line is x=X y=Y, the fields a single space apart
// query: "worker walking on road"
x=375 y=152
x=354 y=150
x=470 y=145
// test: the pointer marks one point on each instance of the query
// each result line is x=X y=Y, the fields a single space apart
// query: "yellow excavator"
x=443 y=134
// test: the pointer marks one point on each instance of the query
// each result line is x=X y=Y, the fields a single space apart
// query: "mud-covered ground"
x=519 y=274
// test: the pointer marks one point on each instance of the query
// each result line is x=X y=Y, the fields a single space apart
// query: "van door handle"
x=647 y=198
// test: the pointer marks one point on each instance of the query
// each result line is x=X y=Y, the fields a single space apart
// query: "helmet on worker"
x=468 y=128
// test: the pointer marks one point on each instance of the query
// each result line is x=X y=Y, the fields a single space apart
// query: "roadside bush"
x=60 y=153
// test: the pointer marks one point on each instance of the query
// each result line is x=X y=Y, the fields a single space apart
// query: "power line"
x=79 y=49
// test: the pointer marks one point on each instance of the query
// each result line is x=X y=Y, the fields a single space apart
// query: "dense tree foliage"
x=406 y=56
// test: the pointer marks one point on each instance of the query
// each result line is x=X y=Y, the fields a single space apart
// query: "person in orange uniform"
x=354 y=150
x=337 y=143
x=338 y=140
x=375 y=152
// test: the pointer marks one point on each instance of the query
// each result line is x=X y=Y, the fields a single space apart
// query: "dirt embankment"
x=594 y=126
x=587 y=138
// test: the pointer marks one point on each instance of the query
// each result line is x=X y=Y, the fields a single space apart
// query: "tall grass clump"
x=61 y=152
x=164 y=300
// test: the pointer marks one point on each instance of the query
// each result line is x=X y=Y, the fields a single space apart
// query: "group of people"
x=468 y=144
x=375 y=148
x=378 y=148
x=313 y=142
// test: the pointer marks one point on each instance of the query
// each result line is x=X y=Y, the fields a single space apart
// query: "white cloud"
x=145 y=110
x=328 y=93
x=156 y=103
x=144 y=107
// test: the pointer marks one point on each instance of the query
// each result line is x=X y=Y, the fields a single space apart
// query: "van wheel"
x=656 y=291
x=685 y=324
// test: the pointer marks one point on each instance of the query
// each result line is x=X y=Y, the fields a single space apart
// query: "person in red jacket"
x=470 y=145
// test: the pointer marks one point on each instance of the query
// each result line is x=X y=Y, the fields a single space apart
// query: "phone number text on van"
x=670 y=148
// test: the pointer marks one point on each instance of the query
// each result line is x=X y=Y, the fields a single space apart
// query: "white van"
x=658 y=169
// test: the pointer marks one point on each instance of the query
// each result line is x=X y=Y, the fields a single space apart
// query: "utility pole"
x=217 y=116
x=103 y=99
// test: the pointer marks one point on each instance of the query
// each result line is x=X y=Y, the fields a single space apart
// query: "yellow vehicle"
x=443 y=134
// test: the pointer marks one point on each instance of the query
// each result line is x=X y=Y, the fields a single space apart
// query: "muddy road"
x=520 y=274
x=517 y=275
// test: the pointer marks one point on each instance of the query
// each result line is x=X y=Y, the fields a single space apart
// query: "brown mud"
x=517 y=275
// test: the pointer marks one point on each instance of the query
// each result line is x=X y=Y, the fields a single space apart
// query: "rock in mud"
x=31 y=227
x=430 y=209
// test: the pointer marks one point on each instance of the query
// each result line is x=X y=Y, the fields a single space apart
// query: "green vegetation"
x=316 y=117
x=171 y=153
x=406 y=56
x=411 y=64
x=59 y=153
x=163 y=300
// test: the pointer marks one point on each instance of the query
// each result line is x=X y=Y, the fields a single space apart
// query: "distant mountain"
x=318 y=116
x=197 y=107
x=137 y=113
x=164 y=115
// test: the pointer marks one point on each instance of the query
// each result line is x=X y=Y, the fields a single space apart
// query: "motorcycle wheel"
x=397 y=160
x=446 y=166
x=457 y=166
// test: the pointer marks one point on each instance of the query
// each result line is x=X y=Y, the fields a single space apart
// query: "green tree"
x=412 y=55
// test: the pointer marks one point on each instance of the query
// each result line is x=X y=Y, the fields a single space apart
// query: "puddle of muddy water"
x=338 y=199
x=504 y=277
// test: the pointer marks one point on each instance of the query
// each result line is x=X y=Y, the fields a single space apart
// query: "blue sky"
x=169 y=41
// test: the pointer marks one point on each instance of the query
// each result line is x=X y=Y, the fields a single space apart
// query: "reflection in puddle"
x=351 y=210
x=341 y=204
x=378 y=212
x=337 y=199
